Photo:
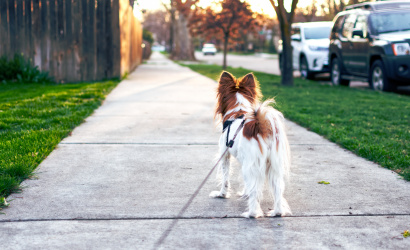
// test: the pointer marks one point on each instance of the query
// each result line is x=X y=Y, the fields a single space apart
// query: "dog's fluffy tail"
x=271 y=127
x=278 y=157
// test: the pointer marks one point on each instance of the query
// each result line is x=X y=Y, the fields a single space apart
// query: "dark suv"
x=371 y=42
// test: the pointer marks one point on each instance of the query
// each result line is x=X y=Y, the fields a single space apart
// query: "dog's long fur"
x=261 y=147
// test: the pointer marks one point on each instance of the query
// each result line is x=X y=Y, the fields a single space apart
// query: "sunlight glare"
x=261 y=6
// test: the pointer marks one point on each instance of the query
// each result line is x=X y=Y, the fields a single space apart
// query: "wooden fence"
x=74 y=40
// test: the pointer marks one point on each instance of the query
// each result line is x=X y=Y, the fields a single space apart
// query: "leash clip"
x=230 y=144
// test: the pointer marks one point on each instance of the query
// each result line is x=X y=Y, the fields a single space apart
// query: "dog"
x=261 y=145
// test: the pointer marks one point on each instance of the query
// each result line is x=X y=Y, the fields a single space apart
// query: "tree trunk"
x=172 y=29
x=183 y=48
x=226 y=38
x=287 y=72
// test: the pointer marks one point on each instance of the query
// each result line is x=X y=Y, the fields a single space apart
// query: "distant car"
x=209 y=49
x=371 y=42
x=310 y=44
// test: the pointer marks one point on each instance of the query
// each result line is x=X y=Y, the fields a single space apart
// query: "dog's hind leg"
x=223 y=172
x=253 y=180
x=280 y=205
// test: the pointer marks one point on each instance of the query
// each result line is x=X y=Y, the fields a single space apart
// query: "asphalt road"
x=270 y=64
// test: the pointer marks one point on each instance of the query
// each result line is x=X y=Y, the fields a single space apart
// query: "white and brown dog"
x=261 y=146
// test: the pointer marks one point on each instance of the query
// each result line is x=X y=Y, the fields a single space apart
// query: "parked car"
x=371 y=42
x=310 y=44
x=208 y=49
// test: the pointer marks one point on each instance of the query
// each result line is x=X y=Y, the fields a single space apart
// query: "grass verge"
x=34 y=118
x=373 y=125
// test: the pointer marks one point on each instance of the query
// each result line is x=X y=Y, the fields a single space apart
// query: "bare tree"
x=180 y=38
x=233 y=19
x=158 y=22
x=309 y=12
x=285 y=21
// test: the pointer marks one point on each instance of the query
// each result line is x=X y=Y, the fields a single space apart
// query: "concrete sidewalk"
x=121 y=179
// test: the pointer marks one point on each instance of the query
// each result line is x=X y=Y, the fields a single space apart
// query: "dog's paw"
x=252 y=215
x=218 y=194
x=275 y=213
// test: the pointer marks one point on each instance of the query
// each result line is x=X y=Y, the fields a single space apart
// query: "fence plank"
x=53 y=39
x=84 y=38
x=4 y=26
x=68 y=41
x=19 y=42
x=28 y=44
x=108 y=41
x=90 y=49
x=76 y=43
x=12 y=27
x=116 y=43
x=36 y=31
x=101 y=41
x=60 y=42
x=45 y=36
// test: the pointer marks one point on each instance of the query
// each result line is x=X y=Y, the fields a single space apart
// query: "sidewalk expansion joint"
x=168 y=144
x=140 y=143
x=198 y=218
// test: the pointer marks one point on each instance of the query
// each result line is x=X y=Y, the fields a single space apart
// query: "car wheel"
x=305 y=73
x=378 y=79
x=336 y=74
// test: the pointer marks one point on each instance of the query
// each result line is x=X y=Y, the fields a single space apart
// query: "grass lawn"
x=34 y=118
x=373 y=125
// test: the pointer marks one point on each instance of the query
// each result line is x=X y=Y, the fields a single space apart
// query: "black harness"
x=228 y=124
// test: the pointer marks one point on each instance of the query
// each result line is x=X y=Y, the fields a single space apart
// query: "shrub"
x=147 y=36
x=19 y=69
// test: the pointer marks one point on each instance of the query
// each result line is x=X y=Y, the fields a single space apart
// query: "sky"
x=262 y=6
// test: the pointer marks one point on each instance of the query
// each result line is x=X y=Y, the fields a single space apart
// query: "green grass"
x=373 y=125
x=34 y=118
x=241 y=53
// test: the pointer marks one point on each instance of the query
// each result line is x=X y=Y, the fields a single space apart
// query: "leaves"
x=3 y=202
x=323 y=182
x=406 y=234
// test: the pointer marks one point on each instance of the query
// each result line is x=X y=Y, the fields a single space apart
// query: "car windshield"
x=317 y=32
x=389 y=22
x=209 y=45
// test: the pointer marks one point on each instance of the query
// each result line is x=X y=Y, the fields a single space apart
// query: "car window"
x=337 y=27
x=295 y=31
x=389 y=22
x=361 y=23
x=295 y=34
x=317 y=32
x=348 y=26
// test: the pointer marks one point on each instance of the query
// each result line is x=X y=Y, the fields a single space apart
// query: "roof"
x=380 y=5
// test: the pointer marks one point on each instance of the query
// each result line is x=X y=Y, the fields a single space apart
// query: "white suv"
x=310 y=43
x=209 y=49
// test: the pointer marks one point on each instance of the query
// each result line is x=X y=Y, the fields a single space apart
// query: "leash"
x=168 y=230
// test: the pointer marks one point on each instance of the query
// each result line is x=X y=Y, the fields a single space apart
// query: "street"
x=269 y=63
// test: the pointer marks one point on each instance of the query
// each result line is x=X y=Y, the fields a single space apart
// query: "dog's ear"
x=227 y=78
x=248 y=81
